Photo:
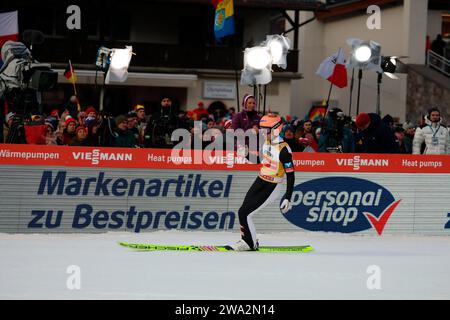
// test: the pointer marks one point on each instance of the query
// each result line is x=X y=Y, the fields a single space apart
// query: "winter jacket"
x=125 y=139
x=245 y=120
x=426 y=135
x=378 y=137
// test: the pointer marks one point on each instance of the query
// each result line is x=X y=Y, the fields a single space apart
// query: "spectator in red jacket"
x=199 y=112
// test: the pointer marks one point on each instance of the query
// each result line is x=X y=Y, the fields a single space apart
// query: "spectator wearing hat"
x=410 y=130
x=7 y=125
x=80 y=137
x=55 y=113
x=291 y=140
x=140 y=114
x=228 y=124
x=68 y=133
x=199 y=112
x=124 y=138
x=132 y=121
x=389 y=121
x=141 y=122
x=50 y=136
x=91 y=125
x=434 y=134
x=375 y=135
x=247 y=119
x=91 y=112
x=162 y=123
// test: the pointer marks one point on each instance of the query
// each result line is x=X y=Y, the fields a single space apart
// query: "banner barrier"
x=83 y=189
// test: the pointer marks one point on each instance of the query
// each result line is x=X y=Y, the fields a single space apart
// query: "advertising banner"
x=76 y=189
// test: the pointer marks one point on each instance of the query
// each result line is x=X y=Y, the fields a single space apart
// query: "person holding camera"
x=335 y=135
x=161 y=125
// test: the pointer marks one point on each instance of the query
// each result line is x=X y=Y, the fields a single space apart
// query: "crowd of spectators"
x=336 y=132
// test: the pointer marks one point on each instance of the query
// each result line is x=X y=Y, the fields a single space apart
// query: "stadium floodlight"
x=389 y=65
x=114 y=62
x=257 y=66
x=278 y=46
x=118 y=68
x=366 y=55
x=363 y=54
x=120 y=58
x=257 y=57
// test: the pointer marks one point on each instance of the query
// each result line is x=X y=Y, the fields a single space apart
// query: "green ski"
x=159 y=247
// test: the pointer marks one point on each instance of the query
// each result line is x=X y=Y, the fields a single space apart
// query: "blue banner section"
x=340 y=204
x=85 y=215
x=191 y=185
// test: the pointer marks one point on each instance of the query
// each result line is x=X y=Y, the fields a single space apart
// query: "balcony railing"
x=438 y=62
x=152 y=55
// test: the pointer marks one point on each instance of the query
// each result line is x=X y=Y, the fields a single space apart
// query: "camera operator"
x=22 y=80
x=161 y=125
x=336 y=136
x=375 y=135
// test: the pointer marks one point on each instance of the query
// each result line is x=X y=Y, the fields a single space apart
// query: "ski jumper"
x=277 y=160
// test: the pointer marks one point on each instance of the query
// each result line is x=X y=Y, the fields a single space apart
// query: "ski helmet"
x=272 y=123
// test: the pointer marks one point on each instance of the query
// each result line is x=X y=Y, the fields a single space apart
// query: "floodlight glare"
x=257 y=66
x=276 y=50
x=363 y=53
x=120 y=58
x=258 y=58
x=118 y=68
x=366 y=55
x=278 y=46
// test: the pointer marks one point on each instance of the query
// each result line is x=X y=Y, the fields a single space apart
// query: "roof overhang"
x=342 y=10
x=134 y=79
x=303 y=5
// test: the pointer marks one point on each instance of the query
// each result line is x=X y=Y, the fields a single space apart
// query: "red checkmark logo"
x=380 y=223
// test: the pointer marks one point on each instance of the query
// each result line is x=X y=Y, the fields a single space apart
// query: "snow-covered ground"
x=407 y=267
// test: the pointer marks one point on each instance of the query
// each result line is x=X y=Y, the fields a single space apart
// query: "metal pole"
x=351 y=92
x=265 y=97
x=102 y=95
x=359 y=90
x=378 y=110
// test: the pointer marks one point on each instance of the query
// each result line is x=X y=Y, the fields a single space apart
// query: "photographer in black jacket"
x=375 y=135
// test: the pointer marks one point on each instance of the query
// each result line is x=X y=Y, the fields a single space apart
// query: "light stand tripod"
x=359 y=90
x=378 y=109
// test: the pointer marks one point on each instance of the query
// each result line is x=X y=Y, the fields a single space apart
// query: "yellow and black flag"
x=70 y=75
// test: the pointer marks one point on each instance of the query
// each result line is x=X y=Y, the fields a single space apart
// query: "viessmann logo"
x=96 y=156
x=341 y=204
x=356 y=162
